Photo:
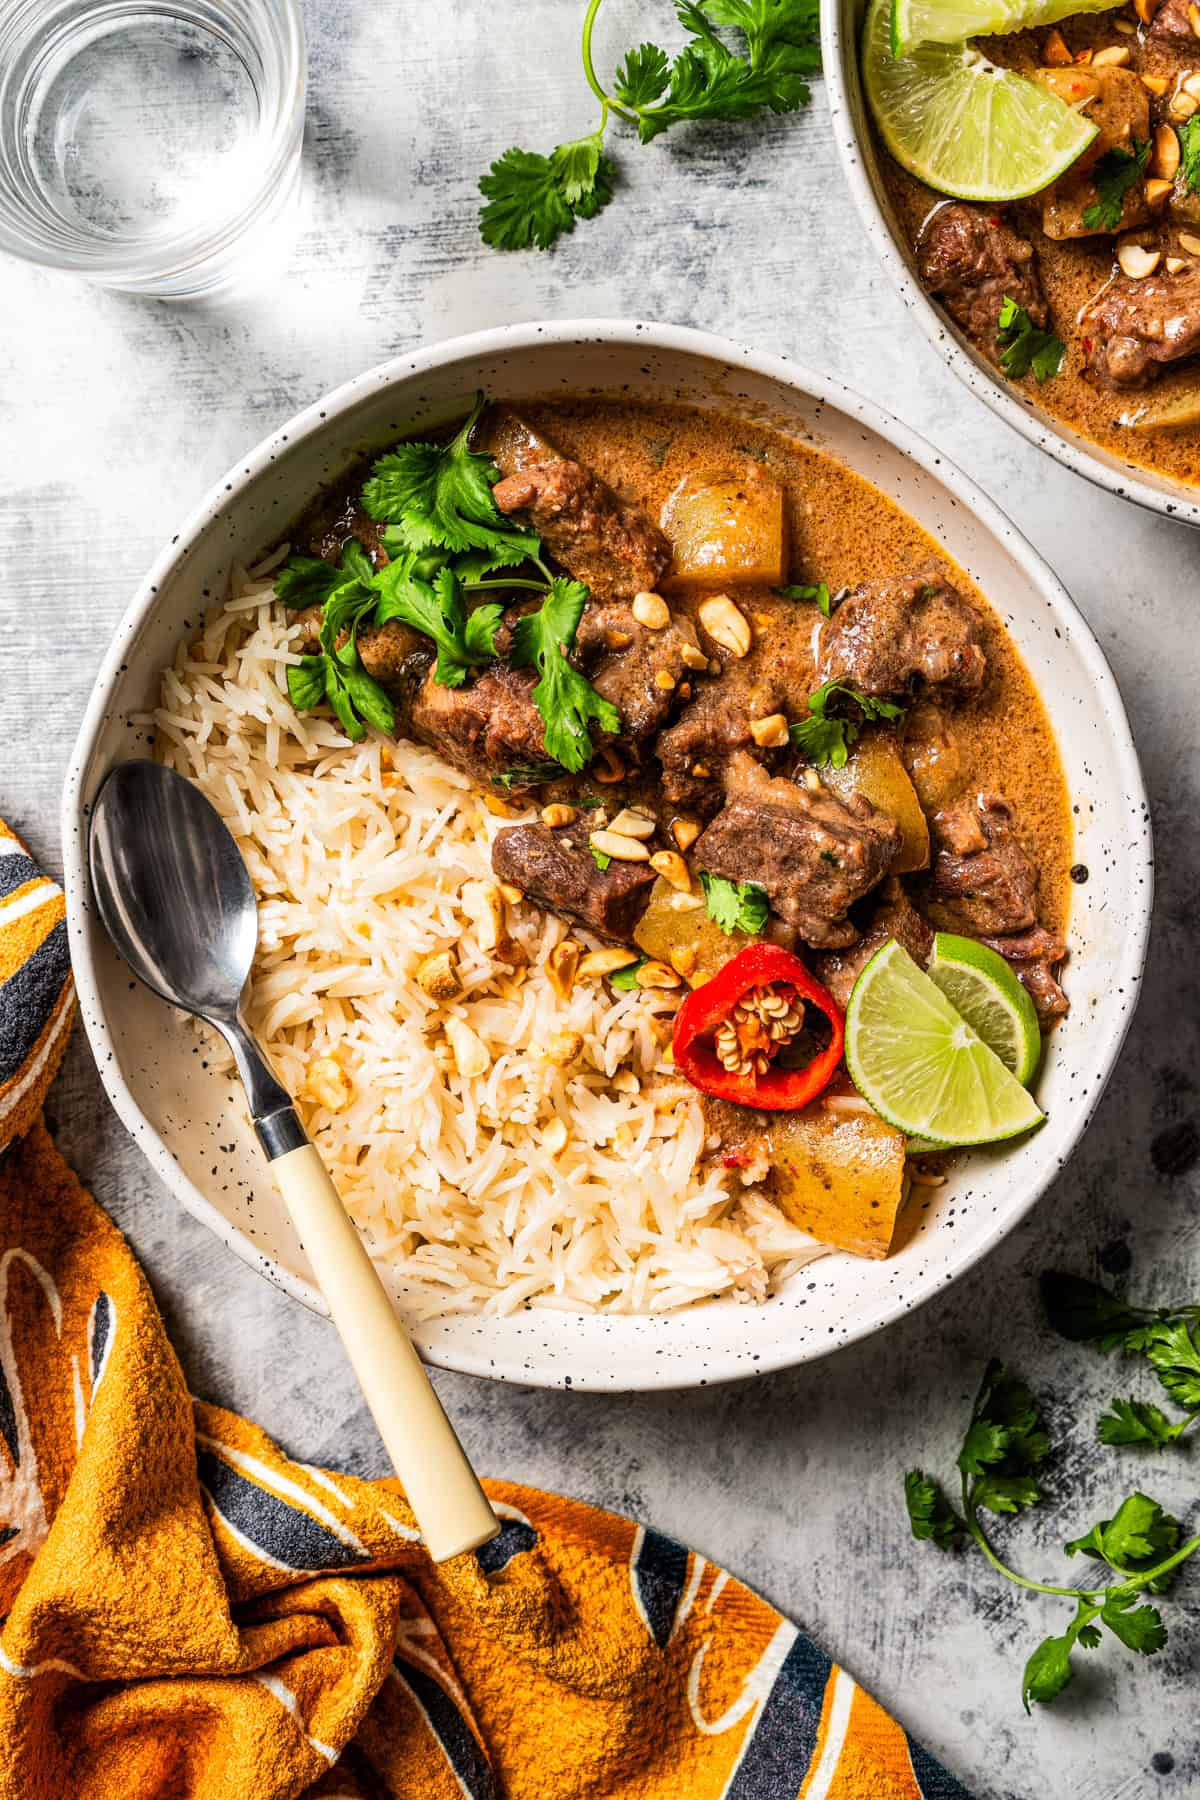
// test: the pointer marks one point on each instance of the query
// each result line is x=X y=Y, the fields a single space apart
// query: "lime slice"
x=982 y=988
x=921 y=1066
x=963 y=126
x=950 y=21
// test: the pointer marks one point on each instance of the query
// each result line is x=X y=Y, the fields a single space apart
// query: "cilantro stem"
x=514 y=581
x=607 y=103
x=1132 y=1582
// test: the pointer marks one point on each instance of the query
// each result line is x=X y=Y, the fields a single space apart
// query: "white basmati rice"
x=523 y=1184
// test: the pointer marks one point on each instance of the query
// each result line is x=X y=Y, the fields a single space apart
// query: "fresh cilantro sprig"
x=445 y=537
x=826 y=738
x=335 y=672
x=1024 y=346
x=1114 y=175
x=439 y=497
x=1165 y=1336
x=1189 y=145
x=532 y=200
x=818 y=593
x=999 y=1465
x=626 y=980
x=734 y=905
x=565 y=699
x=465 y=640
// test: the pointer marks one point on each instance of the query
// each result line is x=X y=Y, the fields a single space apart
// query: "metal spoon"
x=174 y=896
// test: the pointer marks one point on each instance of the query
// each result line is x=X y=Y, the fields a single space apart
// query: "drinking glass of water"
x=151 y=145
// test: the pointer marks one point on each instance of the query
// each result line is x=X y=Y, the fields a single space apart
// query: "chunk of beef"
x=715 y=723
x=903 y=635
x=1115 y=101
x=814 y=855
x=1034 y=955
x=556 y=869
x=1132 y=327
x=895 y=916
x=695 y=751
x=981 y=873
x=1172 y=24
x=488 y=728
x=930 y=751
x=601 y=539
x=637 y=670
x=972 y=259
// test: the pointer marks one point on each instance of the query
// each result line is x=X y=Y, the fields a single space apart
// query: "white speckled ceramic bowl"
x=187 y=1120
x=841 y=29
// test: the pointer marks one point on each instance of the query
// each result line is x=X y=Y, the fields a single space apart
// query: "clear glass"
x=151 y=145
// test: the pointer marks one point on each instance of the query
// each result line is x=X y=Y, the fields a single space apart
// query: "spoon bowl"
x=172 y=889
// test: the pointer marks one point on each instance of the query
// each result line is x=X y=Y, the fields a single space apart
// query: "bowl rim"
x=319 y=417
x=839 y=52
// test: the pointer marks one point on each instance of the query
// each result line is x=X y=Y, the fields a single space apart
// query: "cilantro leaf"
x=307 y=581
x=601 y=858
x=1138 y=1532
x=709 y=80
x=1048 y=1670
x=1087 y=1313
x=465 y=640
x=1139 y=1628
x=1189 y=144
x=1114 y=175
x=566 y=700
x=734 y=905
x=336 y=674
x=824 y=738
x=1024 y=346
x=1139 y=1422
x=439 y=497
x=1005 y=1493
x=1172 y=1353
x=819 y=594
x=306 y=683
x=823 y=741
x=643 y=76
x=930 y=1514
x=626 y=979
x=528 y=774
x=984 y=1444
x=533 y=200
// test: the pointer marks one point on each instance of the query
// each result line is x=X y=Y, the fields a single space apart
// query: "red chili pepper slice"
x=708 y=1007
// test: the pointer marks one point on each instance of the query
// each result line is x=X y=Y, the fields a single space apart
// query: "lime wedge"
x=950 y=21
x=963 y=126
x=982 y=988
x=921 y=1065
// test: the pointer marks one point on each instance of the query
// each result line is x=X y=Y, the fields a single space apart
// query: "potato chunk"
x=1116 y=102
x=675 y=930
x=726 y=529
x=840 y=1177
x=875 y=770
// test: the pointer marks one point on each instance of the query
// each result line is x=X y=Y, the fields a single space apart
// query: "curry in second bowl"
x=610 y=775
x=1048 y=184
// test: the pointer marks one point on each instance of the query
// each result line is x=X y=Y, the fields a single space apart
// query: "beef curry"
x=1105 y=262
x=802 y=723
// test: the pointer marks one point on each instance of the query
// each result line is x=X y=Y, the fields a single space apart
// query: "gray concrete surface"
x=116 y=414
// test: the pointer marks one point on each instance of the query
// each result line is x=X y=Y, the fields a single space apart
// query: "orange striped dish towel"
x=189 y=1615
x=37 y=995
